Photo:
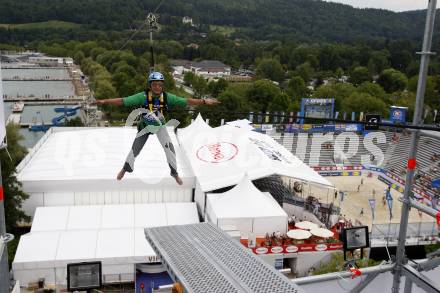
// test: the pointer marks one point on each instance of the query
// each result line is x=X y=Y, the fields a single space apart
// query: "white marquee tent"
x=78 y=166
x=113 y=234
x=247 y=209
x=220 y=156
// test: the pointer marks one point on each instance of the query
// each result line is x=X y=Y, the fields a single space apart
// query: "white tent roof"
x=244 y=201
x=95 y=155
x=220 y=156
x=59 y=234
x=247 y=209
x=197 y=126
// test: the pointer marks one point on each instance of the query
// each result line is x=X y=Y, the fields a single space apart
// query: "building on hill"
x=210 y=68
x=187 y=20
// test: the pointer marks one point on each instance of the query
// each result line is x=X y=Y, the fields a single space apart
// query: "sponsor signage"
x=217 y=152
x=276 y=249
x=298 y=248
x=261 y=250
x=371 y=121
x=398 y=114
x=291 y=249
x=321 y=247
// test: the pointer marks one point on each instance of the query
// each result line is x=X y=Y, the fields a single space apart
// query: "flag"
x=267 y=117
x=372 y=203
x=341 y=194
x=353 y=116
x=2 y=113
x=336 y=115
x=291 y=117
x=345 y=115
x=275 y=117
x=282 y=118
x=361 y=116
x=251 y=117
x=390 y=204
x=389 y=197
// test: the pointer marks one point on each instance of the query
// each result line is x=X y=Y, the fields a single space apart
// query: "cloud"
x=394 y=5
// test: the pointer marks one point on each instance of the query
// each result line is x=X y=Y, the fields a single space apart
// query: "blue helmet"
x=155 y=76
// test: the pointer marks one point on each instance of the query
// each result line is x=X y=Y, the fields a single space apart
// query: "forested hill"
x=311 y=20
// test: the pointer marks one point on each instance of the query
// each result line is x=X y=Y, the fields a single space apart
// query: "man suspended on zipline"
x=154 y=102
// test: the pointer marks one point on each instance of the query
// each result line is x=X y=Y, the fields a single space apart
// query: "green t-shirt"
x=139 y=99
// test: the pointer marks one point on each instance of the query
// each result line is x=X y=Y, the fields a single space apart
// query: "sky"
x=394 y=5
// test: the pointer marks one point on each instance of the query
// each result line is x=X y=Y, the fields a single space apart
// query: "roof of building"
x=210 y=64
x=92 y=157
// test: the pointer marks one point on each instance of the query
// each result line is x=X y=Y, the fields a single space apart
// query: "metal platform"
x=205 y=259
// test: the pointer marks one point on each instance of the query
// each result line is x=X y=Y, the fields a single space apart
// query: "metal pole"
x=4 y=267
x=426 y=52
x=338 y=275
x=421 y=207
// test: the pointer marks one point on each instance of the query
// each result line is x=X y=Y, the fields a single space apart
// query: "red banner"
x=1 y=193
x=298 y=248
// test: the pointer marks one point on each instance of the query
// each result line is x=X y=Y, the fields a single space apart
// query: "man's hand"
x=96 y=102
x=211 y=101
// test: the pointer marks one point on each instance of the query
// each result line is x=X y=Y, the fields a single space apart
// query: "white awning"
x=221 y=156
x=88 y=158
x=246 y=208
x=115 y=234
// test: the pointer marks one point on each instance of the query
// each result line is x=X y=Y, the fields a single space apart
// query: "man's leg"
x=136 y=148
x=170 y=153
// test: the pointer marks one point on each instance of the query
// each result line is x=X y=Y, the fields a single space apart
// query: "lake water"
x=30 y=114
x=40 y=89
x=43 y=73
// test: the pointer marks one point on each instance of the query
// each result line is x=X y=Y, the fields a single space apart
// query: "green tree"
x=432 y=96
x=379 y=60
x=280 y=103
x=262 y=93
x=230 y=102
x=74 y=122
x=200 y=86
x=392 y=80
x=338 y=91
x=188 y=78
x=362 y=102
x=271 y=69
x=372 y=89
x=359 y=75
x=14 y=196
x=305 y=70
x=216 y=87
x=296 y=88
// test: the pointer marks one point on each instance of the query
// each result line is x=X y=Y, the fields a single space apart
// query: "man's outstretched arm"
x=116 y=102
x=196 y=102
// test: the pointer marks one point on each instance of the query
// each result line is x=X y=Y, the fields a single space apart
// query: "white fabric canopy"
x=243 y=123
x=115 y=236
x=306 y=225
x=299 y=234
x=95 y=155
x=246 y=208
x=220 y=156
x=321 y=232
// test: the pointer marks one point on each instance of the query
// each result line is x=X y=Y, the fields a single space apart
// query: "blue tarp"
x=436 y=183
x=151 y=281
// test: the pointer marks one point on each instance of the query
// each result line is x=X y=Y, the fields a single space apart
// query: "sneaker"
x=120 y=174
